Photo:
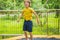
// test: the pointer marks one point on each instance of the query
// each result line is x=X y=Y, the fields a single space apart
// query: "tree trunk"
x=57 y=11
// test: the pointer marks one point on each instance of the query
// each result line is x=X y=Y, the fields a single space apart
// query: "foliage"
x=36 y=4
x=51 y=4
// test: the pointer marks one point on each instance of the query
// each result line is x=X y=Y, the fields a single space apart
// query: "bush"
x=8 y=17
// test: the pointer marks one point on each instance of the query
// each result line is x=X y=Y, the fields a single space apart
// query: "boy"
x=27 y=14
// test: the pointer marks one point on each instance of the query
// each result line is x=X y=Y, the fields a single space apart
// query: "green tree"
x=52 y=4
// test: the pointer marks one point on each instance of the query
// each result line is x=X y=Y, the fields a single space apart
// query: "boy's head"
x=27 y=3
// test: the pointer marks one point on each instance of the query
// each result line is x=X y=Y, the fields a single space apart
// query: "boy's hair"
x=28 y=2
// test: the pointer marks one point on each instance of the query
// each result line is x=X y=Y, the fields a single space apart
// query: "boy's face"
x=26 y=4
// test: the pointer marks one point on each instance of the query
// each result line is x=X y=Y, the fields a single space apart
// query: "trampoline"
x=41 y=39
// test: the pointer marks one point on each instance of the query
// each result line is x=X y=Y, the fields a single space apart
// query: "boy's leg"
x=31 y=36
x=25 y=29
x=30 y=29
x=25 y=33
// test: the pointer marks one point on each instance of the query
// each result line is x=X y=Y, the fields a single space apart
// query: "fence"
x=49 y=19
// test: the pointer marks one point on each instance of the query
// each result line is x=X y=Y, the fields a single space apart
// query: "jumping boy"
x=27 y=15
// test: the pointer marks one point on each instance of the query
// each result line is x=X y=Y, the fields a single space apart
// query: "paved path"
x=36 y=37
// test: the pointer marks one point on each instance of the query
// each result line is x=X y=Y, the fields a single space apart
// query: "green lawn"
x=13 y=27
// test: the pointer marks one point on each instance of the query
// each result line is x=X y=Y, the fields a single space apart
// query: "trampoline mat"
x=42 y=39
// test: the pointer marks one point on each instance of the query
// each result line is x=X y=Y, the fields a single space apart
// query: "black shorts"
x=27 y=26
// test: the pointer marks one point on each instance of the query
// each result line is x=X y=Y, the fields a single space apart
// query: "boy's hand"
x=39 y=23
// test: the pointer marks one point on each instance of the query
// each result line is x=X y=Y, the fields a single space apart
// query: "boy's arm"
x=37 y=18
x=19 y=17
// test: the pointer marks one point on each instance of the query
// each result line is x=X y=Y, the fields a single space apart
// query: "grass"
x=13 y=27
